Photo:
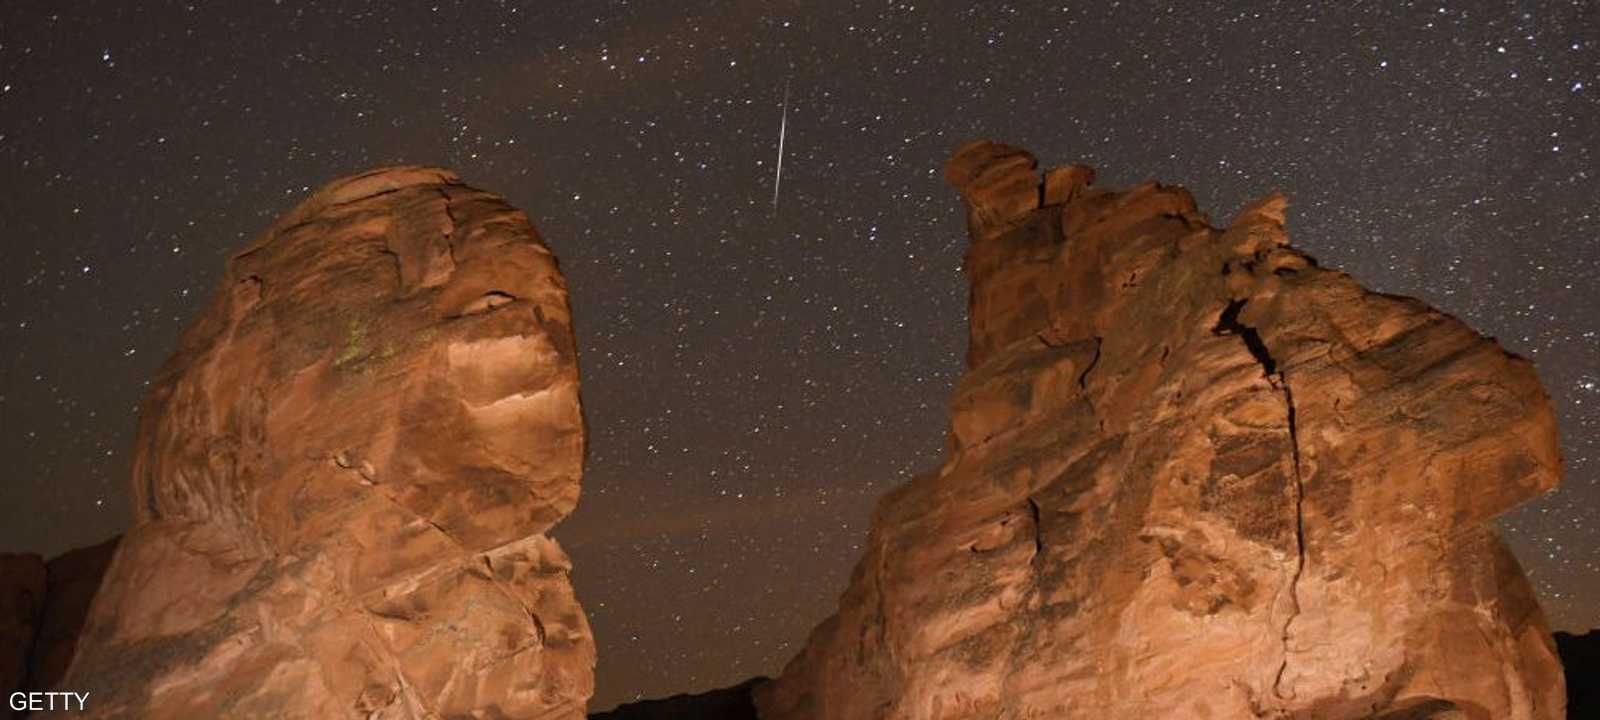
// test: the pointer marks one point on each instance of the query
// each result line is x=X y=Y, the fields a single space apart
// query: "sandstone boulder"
x=1193 y=475
x=344 y=477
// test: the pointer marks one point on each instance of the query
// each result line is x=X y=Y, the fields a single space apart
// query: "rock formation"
x=730 y=703
x=42 y=608
x=344 y=476
x=1580 y=658
x=60 y=591
x=22 y=588
x=1193 y=475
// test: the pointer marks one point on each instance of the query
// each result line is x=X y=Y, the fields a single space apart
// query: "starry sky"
x=754 y=377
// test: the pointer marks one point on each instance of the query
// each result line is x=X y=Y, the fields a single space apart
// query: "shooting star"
x=783 y=128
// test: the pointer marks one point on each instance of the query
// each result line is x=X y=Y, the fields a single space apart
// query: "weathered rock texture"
x=1193 y=475
x=731 y=703
x=344 y=477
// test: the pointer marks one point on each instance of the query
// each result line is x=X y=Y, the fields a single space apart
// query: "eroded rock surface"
x=1193 y=475
x=344 y=476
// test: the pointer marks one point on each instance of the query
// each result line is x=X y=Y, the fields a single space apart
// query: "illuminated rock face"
x=344 y=477
x=1193 y=475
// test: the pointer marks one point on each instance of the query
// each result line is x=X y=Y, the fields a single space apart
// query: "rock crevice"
x=1228 y=324
x=1260 y=492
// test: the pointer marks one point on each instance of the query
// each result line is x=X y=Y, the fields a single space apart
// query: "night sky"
x=755 y=378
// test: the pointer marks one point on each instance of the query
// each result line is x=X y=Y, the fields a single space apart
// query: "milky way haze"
x=755 y=378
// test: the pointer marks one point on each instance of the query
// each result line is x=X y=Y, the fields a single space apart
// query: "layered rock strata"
x=1193 y=474
x=344 y=477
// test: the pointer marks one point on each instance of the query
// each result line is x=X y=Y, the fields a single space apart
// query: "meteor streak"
x=783 y=127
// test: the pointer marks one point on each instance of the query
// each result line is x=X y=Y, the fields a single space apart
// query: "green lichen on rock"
x=356 y=343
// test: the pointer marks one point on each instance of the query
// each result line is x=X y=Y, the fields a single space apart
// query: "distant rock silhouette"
x=724 y=704
x=73 y=580
x=1193 y=475
x=344 y=476
x=42 y=609
x=1580 y=654
x=22 y=589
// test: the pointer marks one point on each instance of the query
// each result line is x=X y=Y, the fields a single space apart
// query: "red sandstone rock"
x=1193 y=475
x=344 y=477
